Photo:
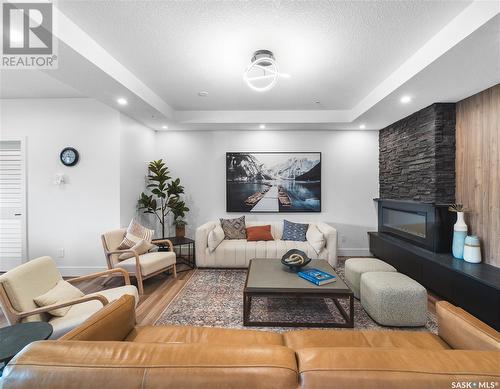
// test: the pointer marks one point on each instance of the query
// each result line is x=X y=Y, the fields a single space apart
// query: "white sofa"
x=238 y=252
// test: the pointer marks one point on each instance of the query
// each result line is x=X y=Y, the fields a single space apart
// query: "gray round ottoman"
x=355 y=267
x=393 y=299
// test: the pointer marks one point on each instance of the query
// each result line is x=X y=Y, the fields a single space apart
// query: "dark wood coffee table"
x=268 y=278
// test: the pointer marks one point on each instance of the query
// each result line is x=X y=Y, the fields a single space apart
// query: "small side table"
x=188 y=258
x=15 y=337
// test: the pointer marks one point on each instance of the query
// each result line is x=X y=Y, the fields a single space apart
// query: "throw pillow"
x=234 y=228
x=141 y=247
x=294 y=231
x=215 y=237
x=315 y=238
x=135 y=233
x=62 y=292
x=259 y=233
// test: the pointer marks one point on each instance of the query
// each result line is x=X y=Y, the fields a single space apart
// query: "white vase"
x=460 y=224
x=459 y=234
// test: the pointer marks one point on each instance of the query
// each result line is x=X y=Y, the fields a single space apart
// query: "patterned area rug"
x=214 y=298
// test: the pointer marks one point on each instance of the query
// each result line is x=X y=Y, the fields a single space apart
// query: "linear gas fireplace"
x=424 y=224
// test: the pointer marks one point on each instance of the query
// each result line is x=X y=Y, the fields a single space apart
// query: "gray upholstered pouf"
x=393 y=299
x=355 y=267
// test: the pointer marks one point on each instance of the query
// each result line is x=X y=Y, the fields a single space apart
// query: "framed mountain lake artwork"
x=273 y=182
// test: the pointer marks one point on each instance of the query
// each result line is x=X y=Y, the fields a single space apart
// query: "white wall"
x=136 y=150
x=71 y=216
x=100 y=192
x=349 y=175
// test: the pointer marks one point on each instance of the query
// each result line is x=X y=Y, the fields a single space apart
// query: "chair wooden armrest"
x=167 y=242
x=121 y=251
x=48 y=308
x=103 y=273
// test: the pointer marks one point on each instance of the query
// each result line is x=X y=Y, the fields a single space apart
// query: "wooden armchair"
x=21 y=285
x=141 y=266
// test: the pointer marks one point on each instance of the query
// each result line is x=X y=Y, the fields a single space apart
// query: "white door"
x=12 y=204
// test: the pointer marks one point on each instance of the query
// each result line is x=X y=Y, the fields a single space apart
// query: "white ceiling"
x=336 y=52
x=355 y=58
x=18 y=84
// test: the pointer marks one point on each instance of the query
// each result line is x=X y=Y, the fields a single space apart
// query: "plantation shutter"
x=12 y=205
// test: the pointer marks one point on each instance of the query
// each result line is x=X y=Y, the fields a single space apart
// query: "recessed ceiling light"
x=164 y=127
x=405 y=99
x=203 y=93
x=262 y=126
x=121 y=101
x=362 y=127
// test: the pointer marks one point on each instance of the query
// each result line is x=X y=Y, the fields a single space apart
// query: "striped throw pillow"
x=135 y=233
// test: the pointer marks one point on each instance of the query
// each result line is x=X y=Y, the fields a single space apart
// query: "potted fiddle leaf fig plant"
x=163 y=196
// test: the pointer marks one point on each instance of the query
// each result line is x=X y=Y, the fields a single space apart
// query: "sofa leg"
x=175 y=271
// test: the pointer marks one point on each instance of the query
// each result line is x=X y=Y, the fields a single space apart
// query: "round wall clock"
x=69 y=156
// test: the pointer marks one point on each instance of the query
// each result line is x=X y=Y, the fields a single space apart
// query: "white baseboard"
x=75 y=271
x=346 y=252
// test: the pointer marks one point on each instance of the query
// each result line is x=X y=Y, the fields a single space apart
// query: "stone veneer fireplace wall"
x=417 y=156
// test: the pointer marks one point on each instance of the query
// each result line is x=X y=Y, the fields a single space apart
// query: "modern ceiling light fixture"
x=262 y=126
x=262 y=74
x=121 y=101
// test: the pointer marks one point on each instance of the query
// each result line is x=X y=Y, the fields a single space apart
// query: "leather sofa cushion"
x=80 y=312
x=181 y=334
x=65 y=364
x=380 y=339
x=463 y=331
x=113 y=322
x=393 y=369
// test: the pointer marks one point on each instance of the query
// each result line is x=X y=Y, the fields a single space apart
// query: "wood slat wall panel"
x=478 y=167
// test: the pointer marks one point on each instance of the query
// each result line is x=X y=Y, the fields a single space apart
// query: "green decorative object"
x=165 y=195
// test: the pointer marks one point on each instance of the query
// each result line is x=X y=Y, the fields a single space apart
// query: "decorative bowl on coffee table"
x=294 y=260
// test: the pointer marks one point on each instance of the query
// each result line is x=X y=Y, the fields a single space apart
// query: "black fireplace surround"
x=424 y=224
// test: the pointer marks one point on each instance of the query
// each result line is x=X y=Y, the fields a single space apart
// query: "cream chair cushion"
x=150 y=262
x=32 y=279
x=113 y=240
x=81 y=312
x=62 y=292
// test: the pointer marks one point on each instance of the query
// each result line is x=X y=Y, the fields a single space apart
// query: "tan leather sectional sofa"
x=110 y=351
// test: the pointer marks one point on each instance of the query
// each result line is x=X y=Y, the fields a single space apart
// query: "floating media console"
x=474 y=287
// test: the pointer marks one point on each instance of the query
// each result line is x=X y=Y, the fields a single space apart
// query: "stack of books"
x=317 y=276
